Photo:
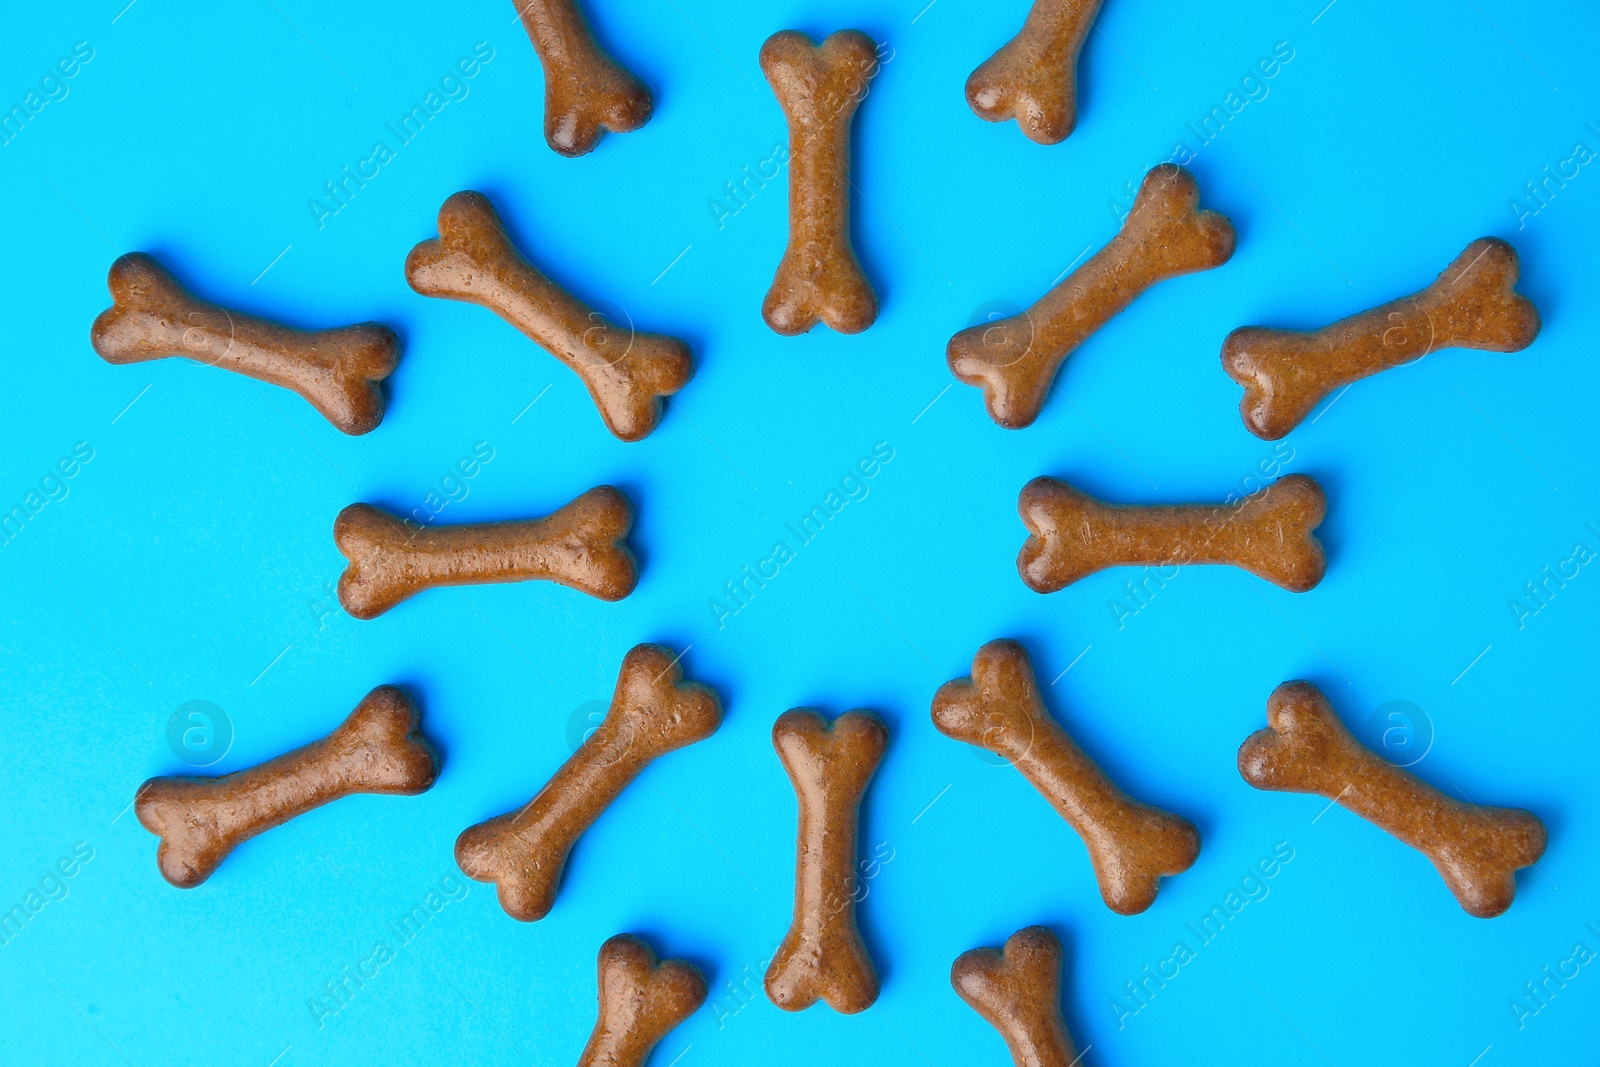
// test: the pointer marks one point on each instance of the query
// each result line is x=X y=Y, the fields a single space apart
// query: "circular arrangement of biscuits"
x=1013 y=361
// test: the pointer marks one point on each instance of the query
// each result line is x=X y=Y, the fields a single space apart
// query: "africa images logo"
x=199 y=733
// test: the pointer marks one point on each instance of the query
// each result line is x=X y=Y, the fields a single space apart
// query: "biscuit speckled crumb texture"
x=653 y=712
x=586 y=92
x=338 y=371
x=378 y=749
x=1269 y=533
x=1033 y=78
x=641 y=1001
x=1015 y=360
x=819 y=87
x=1306 y=749
x=1132 y=845
x=1472 y=304
x=627 y=373
x=582 y=546
x=822 y=957
x=1017 y=990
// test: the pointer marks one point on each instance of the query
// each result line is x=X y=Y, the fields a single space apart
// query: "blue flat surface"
x=191 y=557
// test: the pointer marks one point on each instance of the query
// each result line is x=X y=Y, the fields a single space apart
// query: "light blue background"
x=193 y=560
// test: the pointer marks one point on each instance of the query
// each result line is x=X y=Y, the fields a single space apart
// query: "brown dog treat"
x=822 y=957
x=626 y=373
x=1286 y=373
x=653 y=712
x=1268 y=533
x=337 y=371
x=1017 y=990
x=1306 y=749
x=582 y=546
x=586 y=92
x=1015 y=360
x=378 y=749
x=819 y=87
x=641 y=1000
x=1132 y=846
x=1033 y=78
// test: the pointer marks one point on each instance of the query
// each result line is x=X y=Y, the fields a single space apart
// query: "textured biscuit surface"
x=829 y=764
x=378 y=749
x=1033 y=77
x=337 y=371
x=627 y=373
x=1472 y=304
x=1269 y=533
x=1017 y=990
x=1306 y=749
x=1015 y=360
x=586 y=92
x=582 y=546
x=819 y=87
x=1132 y=846
x=653 y=711
x=641 y=1000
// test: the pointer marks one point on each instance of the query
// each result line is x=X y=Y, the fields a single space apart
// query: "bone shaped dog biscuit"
x=582 y=546
x=1132 y=846
x=653 y=712
x=152 y=316
x=586 y=92
x=1014 y=360
x=819 y=88
x=1033 y=77
x=1472 y=304
x=1017 y=990
x=472 y=260
x=1268 y=533
x=1306 y=749
x=822 y=957
x=377 y=749
x=641 y=1000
